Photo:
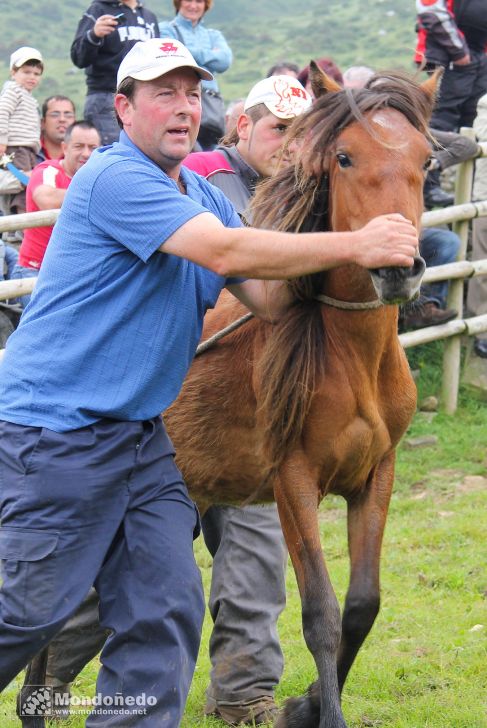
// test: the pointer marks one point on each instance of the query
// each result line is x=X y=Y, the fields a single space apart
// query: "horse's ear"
x=432 y=84
x=320 y=82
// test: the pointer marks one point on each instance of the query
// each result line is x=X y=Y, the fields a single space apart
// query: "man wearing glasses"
x=58 y=112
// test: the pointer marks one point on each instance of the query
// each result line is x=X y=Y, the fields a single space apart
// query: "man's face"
x=79 y=148
x=261 y=142
x=163 y=117
x=59 y=115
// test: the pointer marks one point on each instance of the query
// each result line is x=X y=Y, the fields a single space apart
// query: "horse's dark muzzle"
x=398 y=284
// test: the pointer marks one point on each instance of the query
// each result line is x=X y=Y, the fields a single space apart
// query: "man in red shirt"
x=46 y=190
x=57 y=114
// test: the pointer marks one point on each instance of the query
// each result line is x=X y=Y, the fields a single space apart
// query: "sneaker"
x=429 y=314
x=256 y=712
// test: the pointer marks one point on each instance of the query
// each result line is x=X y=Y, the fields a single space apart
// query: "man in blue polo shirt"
x=89 y=492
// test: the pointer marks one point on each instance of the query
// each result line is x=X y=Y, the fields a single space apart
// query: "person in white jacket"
x=477 y=287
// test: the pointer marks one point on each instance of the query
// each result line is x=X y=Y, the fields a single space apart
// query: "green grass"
x=422 y=665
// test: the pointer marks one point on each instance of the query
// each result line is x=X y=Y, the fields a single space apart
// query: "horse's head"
x=361 y=154
x=377 y=161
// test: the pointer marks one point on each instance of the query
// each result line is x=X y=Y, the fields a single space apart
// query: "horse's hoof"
x=298 y=713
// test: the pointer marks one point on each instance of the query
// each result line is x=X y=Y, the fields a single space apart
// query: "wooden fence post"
x=452 y=350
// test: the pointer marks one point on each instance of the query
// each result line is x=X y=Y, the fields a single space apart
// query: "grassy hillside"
x=379 y=33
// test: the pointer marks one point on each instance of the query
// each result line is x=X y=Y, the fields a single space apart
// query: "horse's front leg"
x=366 y=521
x=297 y=499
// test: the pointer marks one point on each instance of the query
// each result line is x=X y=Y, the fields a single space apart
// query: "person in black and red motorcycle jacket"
x=453 y=34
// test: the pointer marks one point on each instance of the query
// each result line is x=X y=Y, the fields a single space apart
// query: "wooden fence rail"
x=458 y=215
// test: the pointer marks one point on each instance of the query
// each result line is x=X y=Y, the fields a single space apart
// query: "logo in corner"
x=35 y=700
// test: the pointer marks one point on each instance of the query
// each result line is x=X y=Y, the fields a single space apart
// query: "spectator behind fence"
x=8 y=260
x=449 y=148
x=210 y=49
x=58 y=112
x=46 y=191
x=105 y=34
x=453 y=35
x=283 y=68
x=234 y=110
x=477 y=287
x=20 y=131
x=437 y=246
x=357 y=76
x=328 y=66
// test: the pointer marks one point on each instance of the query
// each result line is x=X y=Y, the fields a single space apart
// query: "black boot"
x=433 y=195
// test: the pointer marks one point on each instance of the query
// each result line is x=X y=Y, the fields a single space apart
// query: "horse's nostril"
x=419 y=266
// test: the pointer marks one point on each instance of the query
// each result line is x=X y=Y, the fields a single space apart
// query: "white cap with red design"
x=152 y=58
x=284 y=96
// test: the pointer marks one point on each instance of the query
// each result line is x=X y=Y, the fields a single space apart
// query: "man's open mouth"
x=181 y=131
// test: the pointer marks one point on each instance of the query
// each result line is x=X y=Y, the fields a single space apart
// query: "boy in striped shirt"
x=19 y=115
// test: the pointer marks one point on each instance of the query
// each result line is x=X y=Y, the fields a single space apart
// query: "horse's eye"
x=429 y=164
x=343 y=160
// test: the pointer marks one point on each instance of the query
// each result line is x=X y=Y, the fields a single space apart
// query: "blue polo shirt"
x=113 y=323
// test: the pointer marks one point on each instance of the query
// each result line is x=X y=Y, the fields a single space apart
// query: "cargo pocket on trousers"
x=28 y=576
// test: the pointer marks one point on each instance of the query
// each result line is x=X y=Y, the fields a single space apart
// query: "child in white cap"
x=19 y=115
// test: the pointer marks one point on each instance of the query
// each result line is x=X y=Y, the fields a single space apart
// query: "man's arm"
x=47 y=197
x=266 y=299
x=267 y=254
x=89 y=38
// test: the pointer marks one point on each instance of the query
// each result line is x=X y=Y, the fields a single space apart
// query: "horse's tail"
x=290 y=366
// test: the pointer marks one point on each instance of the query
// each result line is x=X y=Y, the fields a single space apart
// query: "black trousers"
x=461 y=87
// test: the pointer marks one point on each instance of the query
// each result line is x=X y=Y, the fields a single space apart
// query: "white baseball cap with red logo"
x=152 y=58
x=284 y=96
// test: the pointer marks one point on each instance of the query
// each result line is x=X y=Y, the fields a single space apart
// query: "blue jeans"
x=99 y=110
x=20 y=272
x=438 y=246
x=103 y=505
x=8 y=260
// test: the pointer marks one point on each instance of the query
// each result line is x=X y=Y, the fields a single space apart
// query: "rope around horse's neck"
x=220 y=334
x=349 y=305
x=345 y=305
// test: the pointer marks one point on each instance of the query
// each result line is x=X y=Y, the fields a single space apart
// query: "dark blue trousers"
x=107 y=505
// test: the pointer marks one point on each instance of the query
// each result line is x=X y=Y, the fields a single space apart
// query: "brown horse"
x=317 y=402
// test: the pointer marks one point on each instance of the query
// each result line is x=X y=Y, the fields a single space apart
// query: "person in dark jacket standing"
x=453 y=34
x=105 y=34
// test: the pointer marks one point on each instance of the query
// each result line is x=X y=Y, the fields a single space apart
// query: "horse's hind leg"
x=297 y=500
x=366 y=521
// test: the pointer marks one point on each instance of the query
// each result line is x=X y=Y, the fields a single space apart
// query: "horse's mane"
x=296 y=200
